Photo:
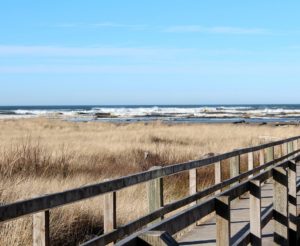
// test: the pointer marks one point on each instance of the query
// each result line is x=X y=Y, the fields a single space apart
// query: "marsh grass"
x=40 y=156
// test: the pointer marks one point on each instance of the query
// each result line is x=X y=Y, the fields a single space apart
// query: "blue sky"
x=149 y=52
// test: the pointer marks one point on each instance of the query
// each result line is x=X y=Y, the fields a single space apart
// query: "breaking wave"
x=172 y=112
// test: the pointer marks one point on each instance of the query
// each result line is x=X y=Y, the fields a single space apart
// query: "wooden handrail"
x=46 y=202
x=132 y=226
x=189 y=216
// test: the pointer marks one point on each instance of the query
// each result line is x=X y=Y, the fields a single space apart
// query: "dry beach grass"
x=39 y=156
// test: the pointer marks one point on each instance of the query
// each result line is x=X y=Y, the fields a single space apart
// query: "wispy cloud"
x=19 y=50
x=102 y=25
x=125 y=69
x=170 y=29
x=205 y=68
x=216 y=30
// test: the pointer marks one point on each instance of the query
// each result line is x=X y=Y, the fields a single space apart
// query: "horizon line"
x=116 y=105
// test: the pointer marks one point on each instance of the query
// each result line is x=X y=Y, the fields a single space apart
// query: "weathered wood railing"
x=40 y=206
x=283 y=211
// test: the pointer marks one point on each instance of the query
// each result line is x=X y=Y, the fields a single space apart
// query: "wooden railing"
x=40 y=206
x=283 y=211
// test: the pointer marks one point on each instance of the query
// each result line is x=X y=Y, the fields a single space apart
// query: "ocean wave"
x=158 y=112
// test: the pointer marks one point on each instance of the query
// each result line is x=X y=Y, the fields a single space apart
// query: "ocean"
x=166 y=113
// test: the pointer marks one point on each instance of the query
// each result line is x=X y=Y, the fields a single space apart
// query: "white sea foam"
x=197 y=112
x=157 y=112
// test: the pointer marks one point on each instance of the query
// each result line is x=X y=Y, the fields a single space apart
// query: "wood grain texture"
x=41 y=229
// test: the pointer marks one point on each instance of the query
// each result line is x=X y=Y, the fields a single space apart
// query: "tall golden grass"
x=40 y=156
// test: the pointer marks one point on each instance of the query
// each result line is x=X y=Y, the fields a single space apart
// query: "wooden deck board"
x=205 y=234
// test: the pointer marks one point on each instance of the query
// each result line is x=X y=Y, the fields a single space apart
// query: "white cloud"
x=102 y=69
x=101 y=25
x=204 y=68
x=171 y=29
x=60 y=51
x=217 y=30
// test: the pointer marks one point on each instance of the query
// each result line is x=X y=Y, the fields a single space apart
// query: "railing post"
x=255 y=213
x=218 y=174
x=280 y=206
x=223 y=219
x=290 y=147
x=261 y=158
x=41 y=232
x=284 y=149
x=193 y=183
x=250 y=162
x=234 y=167
x=109 y=212
x=269 y=154
x=293 y=225
x=295 y=145
x=280 y=150
x=155 y=192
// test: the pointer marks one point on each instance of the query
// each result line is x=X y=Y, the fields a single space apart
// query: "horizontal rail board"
x=46 y=202
x=137 y=224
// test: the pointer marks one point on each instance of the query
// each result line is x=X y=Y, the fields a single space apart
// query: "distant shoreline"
x=195 y=121
x=247 y=114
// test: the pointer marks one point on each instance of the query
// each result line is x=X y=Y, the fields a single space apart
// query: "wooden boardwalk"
x=205 y=233
x=235 y=218
x=257 y=206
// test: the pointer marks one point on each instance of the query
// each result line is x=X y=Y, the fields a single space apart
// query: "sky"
x=149 y=52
